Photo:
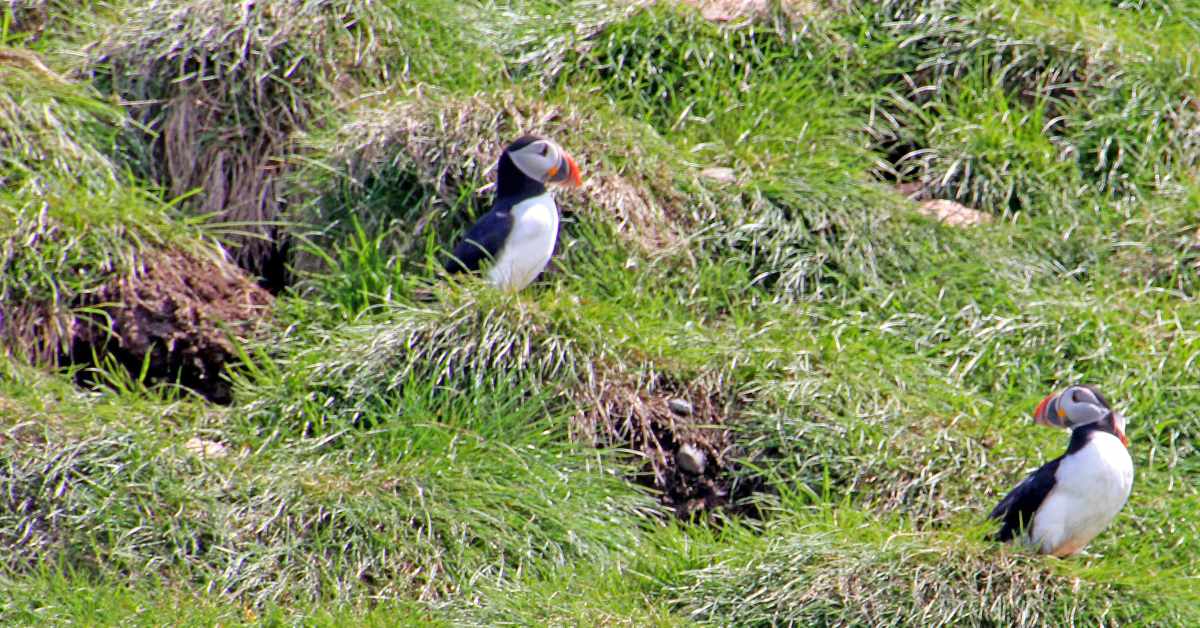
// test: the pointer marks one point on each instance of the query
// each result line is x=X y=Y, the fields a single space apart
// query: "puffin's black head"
x=1078 y=406
x=531 y=162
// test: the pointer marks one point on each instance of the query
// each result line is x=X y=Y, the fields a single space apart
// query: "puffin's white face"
x=1080 y=405
x=546 y=162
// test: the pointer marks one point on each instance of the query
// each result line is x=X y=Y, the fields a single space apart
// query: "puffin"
x=518 y=235
x=1063 y=505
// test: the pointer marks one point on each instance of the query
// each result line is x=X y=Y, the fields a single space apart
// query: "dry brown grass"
x=37 y=330
x=29 y=61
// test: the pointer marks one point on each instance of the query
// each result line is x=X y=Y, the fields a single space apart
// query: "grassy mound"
x=94 y=264
x=899 y=580
x=268 y=519
x=757 y=386
x=343 y=378
x=1050 y=113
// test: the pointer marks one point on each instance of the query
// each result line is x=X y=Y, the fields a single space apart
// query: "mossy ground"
x=403 y=447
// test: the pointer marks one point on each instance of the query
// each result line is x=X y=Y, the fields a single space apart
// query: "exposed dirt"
x=953 y=214
x=945 y=211
x=176 y=316
x=680 y=431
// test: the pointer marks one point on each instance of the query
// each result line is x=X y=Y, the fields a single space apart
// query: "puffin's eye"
x=545 y=149
x=1075 y=395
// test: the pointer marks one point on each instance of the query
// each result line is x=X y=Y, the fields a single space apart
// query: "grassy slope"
x=393 y=459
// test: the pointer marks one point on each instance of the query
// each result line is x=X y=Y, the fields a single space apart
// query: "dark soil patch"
x=176 y=316
x=681 y=432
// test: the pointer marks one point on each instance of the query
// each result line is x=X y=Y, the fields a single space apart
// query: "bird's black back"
x=1017 y=508
x=484 y=240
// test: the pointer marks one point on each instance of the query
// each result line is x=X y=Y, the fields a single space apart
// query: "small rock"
x=720 y=175
x=731 y=10
x=954 y=214
x=691 y=459
x=682 y=407
x=205 y=448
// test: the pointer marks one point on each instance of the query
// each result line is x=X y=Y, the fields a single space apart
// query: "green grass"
x=409 y=448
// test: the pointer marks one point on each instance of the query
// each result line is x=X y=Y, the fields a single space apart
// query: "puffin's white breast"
x=530 y=244
x=1091 y=486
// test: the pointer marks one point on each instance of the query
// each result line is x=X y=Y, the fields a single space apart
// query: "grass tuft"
x=882 y=578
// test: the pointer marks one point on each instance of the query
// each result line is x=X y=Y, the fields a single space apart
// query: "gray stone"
x=205 y=448
x=682 y=407
x=691 y=459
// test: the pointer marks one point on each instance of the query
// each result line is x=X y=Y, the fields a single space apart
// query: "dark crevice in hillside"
x=275 y=266
x=171 y=323
x=681 y=433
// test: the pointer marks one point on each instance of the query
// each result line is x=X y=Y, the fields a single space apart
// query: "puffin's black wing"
x=1017 y=508
x=482 y=242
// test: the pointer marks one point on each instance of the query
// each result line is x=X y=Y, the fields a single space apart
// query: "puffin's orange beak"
x=576 y=179
x=1118 y=427
x=566 y=172
x=1041 y=415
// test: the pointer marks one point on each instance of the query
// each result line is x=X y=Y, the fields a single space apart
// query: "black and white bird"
x=1063 y=505
x=518 y=235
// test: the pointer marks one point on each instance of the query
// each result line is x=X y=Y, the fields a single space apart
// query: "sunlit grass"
x=406 y=447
